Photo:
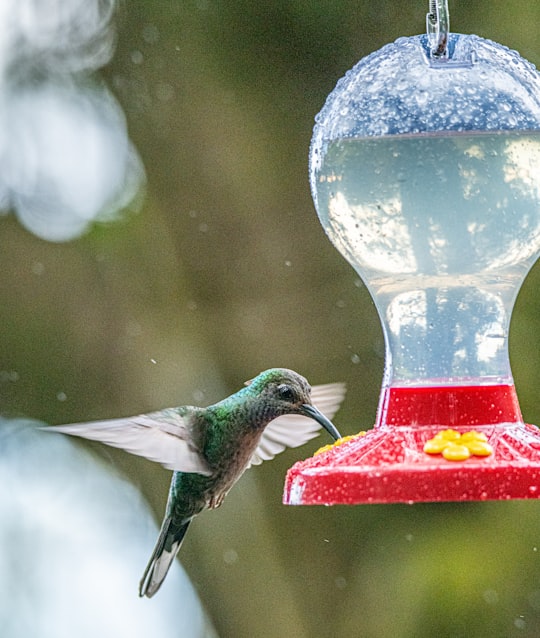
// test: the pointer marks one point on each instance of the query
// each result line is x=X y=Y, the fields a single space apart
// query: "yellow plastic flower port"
x=458 y=447
x=343 y=439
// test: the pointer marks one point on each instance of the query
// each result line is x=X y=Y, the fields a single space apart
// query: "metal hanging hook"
x=438 y=27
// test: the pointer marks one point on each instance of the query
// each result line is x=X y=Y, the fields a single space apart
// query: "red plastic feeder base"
x=389 y=465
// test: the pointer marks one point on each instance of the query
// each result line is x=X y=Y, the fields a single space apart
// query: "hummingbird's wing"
x=293 y=430
x=160 y=436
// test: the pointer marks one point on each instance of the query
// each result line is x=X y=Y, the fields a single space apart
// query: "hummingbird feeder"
x=425 y=172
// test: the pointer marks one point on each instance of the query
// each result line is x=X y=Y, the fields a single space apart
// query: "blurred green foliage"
x=225 y=272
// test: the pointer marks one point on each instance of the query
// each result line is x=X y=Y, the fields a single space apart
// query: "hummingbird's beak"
x=311 y=411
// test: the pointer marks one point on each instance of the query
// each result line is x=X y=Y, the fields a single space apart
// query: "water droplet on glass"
x=150 y=33
x=230 y=556
x=9 y=376
x=421 y=97
x=519 y=623
x=38 y=268
x=198 y=395
x=490 y=596
x=164 y=92
x=340 y=582
x=136 y=57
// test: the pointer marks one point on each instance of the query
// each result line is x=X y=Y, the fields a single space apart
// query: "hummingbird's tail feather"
x=164 y=553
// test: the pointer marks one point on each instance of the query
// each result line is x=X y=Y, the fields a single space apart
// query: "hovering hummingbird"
x=210 y=448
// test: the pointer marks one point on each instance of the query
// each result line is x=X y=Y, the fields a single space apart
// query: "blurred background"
x=159 y=246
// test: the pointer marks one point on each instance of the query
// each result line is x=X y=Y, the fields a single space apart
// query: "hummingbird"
x=210 y=448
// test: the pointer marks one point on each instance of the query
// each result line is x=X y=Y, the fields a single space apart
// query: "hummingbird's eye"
x=285 y=392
